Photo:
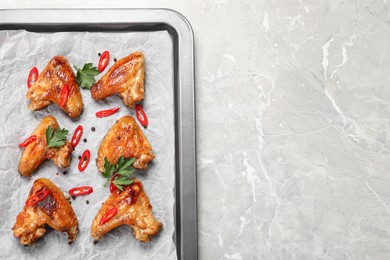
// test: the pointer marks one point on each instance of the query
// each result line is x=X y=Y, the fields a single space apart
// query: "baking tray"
x=148 y=20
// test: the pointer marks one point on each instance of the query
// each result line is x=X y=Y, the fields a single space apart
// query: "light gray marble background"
x=293 y=120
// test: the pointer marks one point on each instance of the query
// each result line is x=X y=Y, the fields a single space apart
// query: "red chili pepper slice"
x=64 y=95
x=40 y=195
x=33 y=75
x=134 y=192
x=142 y=118
x=112 y=185
x=83 y=190
x=77 y=136
x=28 y=141
x=103 y=61
x=107 y=112
x=84 y=160
x=108 y=215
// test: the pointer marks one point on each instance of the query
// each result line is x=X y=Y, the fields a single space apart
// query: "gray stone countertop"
x=293 y=118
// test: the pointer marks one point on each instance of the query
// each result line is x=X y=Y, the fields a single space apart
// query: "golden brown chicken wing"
x=129 y=207
x=36 y=152
x=46 y=204
x=125 y=77
x=49 y=84
x=125 y=138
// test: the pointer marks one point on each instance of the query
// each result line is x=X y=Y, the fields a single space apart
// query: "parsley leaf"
x=125 y=172
x=123 y=168
x=121 y=182
x=108 y=168
x=85 y=77
x=55 y=138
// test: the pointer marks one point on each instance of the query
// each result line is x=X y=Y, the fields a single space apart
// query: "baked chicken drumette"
x=56 y=84
x=125 y=77
x=38 y=150
x=125 y=138
x=46 y=204
x=128 y=207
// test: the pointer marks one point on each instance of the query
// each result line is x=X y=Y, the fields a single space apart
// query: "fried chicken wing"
x=53 y=210
x=125 y=138
x=47 y=88
x=132 y=208
x=35 y=152
x=125 y=77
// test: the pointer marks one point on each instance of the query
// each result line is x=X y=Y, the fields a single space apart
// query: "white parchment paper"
x=19 y=52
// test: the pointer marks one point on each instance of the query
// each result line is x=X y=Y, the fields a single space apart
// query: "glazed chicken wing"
x=125 y=77
x=132 y=208
x=46 y=204
x=47 y=88
x=36 y=152
x=125 y=138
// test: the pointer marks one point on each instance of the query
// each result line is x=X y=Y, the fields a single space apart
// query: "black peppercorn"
x=85 y=140
x=93 y=129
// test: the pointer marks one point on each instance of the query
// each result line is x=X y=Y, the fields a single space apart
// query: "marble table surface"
x=293 y=118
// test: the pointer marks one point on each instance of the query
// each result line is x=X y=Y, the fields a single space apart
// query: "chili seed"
x=85 y=140
x=93 y=129
x=79 y=157
x=115 y=59
x=99 y=54
x=87 y=202
x=85 y=158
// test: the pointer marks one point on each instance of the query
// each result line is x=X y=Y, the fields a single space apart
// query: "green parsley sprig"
x=122 y=168
x=55 y=138
x=85 y=77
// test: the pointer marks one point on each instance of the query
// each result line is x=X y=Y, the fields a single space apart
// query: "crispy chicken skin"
x=125 y=77
x=54 y=210
x=35 y=153
x=48 y=86
x=125 y=138
x=134 y=209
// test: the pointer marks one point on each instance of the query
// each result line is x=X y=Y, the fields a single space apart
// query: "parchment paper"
x=19 y=52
